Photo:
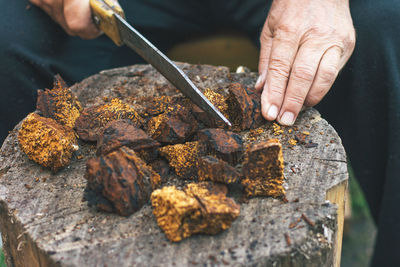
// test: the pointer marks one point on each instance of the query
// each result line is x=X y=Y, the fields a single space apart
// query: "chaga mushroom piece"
x=123 y=179
x=219 y=101
x=173 y=126
x=162 y=104
x=59 y=103
x=199 y=208
x=122 y=133
x=218 y=210
x=46 y=142
x=183 y=157
x=216 y=170
x=263 y=169
x=177 y=214
x=91 y=122
x=222 y=143
x=161 y=167
x=158 y=105
x=244 y=107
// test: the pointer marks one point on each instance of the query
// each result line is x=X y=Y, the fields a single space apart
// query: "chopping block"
x=45 y=219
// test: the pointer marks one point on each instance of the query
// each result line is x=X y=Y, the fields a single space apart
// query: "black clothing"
x=364 y=108
x=363 y=105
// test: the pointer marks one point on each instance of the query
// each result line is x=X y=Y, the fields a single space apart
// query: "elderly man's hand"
x=74 y=16
x=304 y=44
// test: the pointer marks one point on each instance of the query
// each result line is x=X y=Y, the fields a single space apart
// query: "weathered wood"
x=45 y=220
x=338 y=195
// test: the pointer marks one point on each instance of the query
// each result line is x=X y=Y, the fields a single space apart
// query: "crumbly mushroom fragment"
x=183 y=157
x=219 y=101
x=59 y=103
x=46 y=142
x=199 y=208
x=263 y=169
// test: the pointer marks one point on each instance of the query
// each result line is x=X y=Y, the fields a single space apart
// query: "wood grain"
x=45 y=220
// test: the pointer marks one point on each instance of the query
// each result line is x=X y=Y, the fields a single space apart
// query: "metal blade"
x=166 y=67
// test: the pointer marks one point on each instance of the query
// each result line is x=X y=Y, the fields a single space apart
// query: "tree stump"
x=46 y=221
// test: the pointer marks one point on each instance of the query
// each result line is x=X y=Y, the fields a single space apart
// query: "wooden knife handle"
x=103 y=16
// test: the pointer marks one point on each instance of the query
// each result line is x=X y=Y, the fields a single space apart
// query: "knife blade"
x=110 y=18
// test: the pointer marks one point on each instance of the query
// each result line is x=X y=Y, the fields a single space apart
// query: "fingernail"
x=272 y=112
x=259 y=80
x=287 y=118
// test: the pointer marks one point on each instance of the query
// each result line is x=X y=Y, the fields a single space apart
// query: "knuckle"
x=303 y=73
x=287 y=36
x=279 y=68
x=318 y=30
x=276 y=92
x=285 y=29
x=316 y=96
x=328 y=74
x=288 y=42
x=312 y=100
x=295 y=99
x=264 y=37
x=75 y=25
x=351 y=39
x=348 y=39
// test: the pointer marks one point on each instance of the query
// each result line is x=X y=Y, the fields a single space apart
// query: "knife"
x=110 y=18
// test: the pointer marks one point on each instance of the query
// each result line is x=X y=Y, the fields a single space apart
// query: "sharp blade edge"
x=133 y=39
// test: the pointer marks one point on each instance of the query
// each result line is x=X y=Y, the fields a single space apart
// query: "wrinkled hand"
x=74 y=16
x=304 y=44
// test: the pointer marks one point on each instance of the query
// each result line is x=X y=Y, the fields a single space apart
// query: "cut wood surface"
x=45 y=219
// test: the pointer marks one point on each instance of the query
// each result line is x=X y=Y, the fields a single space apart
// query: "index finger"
x=301 y=78
x=283 y=52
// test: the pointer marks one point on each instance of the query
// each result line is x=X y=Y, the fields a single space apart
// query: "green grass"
x=359 y=205
x=359 y=236
x=2 y=260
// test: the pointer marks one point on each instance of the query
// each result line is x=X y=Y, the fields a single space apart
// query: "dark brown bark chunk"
x=92 y=120
x=174 y=126
x=161 y=167
x=216 y=170
x=123 y=179
x=263 y=169
x=122 y=133
x=169 y=129
x=244 y=107
x=222 y=143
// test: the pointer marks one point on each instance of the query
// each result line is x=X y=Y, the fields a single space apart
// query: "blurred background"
x=234 y=49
